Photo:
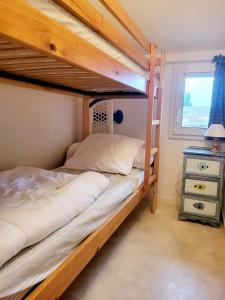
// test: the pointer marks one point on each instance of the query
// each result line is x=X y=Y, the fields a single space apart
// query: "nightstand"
x=202 y=185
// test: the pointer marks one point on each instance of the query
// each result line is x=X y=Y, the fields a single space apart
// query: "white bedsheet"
x=29 y=183
x=37 y=262
x=60 y=15
x=30 y=215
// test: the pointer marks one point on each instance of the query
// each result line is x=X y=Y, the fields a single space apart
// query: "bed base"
x=55 y=50
x=56 y=283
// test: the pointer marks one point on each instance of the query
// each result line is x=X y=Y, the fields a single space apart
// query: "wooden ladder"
x=152 y=101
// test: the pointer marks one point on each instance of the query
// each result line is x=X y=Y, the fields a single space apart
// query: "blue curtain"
x=217 y=112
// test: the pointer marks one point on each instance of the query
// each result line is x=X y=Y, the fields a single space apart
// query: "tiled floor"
x=156 y=257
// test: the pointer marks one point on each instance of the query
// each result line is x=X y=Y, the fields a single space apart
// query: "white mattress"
x=35 y=263
x=60 y=15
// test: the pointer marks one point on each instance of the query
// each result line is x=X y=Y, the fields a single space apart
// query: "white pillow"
x=71 y=150
x=139 y=162
x=105 y=153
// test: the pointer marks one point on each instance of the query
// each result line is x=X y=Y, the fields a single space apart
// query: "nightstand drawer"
x=201 y=187
x=203 y=167
x=199 y=207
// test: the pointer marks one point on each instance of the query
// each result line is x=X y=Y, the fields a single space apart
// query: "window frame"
x=180 y=72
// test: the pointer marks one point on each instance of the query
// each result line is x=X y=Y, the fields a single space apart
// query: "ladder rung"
x=155 y=122
x=154 y=151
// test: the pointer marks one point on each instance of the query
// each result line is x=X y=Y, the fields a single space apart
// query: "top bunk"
x=69 y=45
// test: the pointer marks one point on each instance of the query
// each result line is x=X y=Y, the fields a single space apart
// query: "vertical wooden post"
x=85 y=116
x=149 y=117
x=157 y=133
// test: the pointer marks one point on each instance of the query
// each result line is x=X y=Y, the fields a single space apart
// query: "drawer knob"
x=199 y=205
x=200 y=186
x=202 y=166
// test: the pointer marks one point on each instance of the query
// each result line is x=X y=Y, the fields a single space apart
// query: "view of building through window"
x=197 y=100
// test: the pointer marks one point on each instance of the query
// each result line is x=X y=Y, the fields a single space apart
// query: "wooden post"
x=157 y=133
x=149 y=117
x=85 y=116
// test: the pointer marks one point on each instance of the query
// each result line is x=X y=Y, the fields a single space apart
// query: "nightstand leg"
x=185 y=217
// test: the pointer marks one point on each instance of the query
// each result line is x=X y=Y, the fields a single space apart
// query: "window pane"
x=197 y=101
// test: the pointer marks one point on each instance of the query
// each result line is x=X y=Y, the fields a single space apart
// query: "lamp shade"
x=216 y=131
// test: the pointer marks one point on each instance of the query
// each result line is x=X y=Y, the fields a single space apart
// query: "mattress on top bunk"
x=63 y=17
x=35 y=263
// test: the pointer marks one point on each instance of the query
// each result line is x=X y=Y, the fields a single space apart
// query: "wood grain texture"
x=32 y=65
x=48 y=38
x=149 y=117
x=116 y=9
x=83 y=10
x=157 y=132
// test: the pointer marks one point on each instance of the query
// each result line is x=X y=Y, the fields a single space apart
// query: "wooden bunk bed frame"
x=35 y=51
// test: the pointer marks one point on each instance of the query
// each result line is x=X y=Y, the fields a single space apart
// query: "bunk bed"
x=43 y=50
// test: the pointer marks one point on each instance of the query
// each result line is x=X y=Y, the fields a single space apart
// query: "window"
x=192 y=101
x=197 y=100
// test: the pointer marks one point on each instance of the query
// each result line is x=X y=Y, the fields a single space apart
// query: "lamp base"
x=215 y=147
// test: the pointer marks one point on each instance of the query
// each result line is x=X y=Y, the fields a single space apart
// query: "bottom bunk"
x=46 y=269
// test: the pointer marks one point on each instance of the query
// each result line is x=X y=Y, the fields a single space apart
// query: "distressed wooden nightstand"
x=202 y=186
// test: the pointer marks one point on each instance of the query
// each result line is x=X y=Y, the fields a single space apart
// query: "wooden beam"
x=85 y=116
x=52 y=39
x=123 y=17
x=157 y=133
x=149 y=117
x=87 y=13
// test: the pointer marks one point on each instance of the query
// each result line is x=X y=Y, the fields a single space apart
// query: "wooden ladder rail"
x=157 y=132
x=150 y=100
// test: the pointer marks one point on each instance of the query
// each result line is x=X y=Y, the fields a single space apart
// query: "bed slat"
x=51 y=39
x=32 y=66
x=27 y=60
x=17 y=53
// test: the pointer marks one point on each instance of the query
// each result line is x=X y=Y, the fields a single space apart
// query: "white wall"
x=171 y=156
x=134 y=112
x=35 y=127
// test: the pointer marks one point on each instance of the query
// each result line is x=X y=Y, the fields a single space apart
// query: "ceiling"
x=180 y=25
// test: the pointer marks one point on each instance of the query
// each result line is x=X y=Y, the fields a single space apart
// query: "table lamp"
x=215 y=131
